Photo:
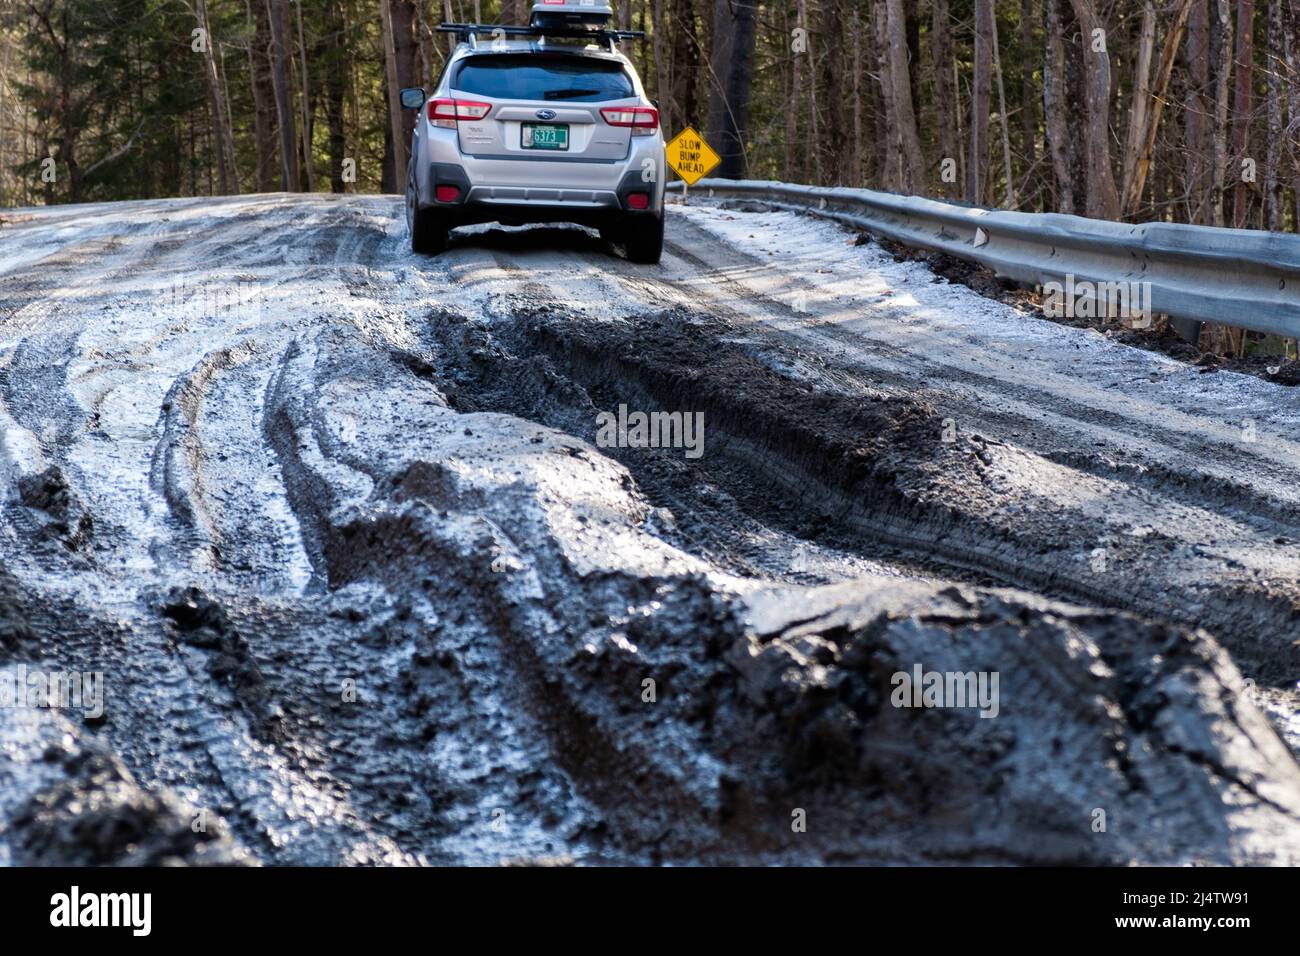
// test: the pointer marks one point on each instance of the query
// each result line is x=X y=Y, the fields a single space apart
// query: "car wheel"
x=644 y=239
x=428 y=232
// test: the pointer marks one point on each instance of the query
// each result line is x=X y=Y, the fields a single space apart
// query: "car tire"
x=428 y=232
x=644 y=239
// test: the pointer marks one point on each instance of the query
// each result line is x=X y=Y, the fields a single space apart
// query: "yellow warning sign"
x=690 y=157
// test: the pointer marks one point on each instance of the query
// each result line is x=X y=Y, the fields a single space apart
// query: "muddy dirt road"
x=344 y=532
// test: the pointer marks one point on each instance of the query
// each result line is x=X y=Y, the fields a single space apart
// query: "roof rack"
x=466 y=33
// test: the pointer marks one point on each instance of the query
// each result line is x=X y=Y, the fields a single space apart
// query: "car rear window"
x=575 y=79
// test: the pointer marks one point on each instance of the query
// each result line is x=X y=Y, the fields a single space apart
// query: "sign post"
x=690 y=157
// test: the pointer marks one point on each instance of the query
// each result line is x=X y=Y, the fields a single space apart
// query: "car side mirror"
x=412 y=97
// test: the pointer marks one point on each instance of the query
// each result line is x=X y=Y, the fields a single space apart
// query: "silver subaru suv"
x=544 y=123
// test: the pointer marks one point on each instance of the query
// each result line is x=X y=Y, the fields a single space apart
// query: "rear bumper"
x=511 y=215
x=543 y=196
x=480 y=202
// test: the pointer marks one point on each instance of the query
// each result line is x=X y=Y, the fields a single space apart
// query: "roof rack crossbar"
x=466 y=31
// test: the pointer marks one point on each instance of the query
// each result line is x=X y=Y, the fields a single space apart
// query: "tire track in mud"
x=812 y=740
x=271 y=682
x=77 y=636
x=497 y=590
x=1246 y=590
x=1067 y=397
x=949 y=528
x=221 y=698
x=1053 y=406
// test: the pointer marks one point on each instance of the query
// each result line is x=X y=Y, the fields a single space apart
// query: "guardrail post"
x=1187 y=329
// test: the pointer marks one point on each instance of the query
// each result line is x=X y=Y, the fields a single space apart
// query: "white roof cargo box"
x=571 y=14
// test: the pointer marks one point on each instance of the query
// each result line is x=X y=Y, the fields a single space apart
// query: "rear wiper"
x=567 y=94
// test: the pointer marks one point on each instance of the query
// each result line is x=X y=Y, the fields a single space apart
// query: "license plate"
x=545 y=136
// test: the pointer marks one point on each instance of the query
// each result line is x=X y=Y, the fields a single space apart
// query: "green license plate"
x=545 y=136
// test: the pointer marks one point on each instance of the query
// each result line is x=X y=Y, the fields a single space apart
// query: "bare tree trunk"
x=642 y=55
x=1103 y=197
x=981 y=89
x=1029 y=15
x=1293 y=108
x=450 y=18
x=812 y=161
x=687 y=56
x=1241 y=106
x=27 y=144
x=397 y=148
x=1273 y=199
x=907 y=143
x=798 y=54
x=1197 y=111
x=1151 y=116
x=5 y=158
x=406 y=46
x=625 y=23
x=912 y=30
x=223 y=138
x=259 y=70
x=663 y=81
x=425 y=39
x=283 y=97
x=732 y=67
x=1137 y=117
x=354 y=75
x=960 y=110
x=856 y=157
x=1060 y=145
x=944 y=88
x=336 y=92
x=230 y=121
x=835 y=139
x=1011 y=201
x=308 y=170
x=229 y=125
x=1223 y=34
x=891 y=171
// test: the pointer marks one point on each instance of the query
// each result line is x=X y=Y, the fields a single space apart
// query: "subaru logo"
x=546 y=114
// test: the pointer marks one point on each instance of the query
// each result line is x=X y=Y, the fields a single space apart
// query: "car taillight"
x=446 y=193
x=638 y=200
x=445 y=113
x=644 y=120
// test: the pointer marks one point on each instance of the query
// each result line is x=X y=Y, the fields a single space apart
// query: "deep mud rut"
x=339 y=528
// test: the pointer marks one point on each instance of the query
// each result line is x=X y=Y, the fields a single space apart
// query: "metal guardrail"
x=1240 y=277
